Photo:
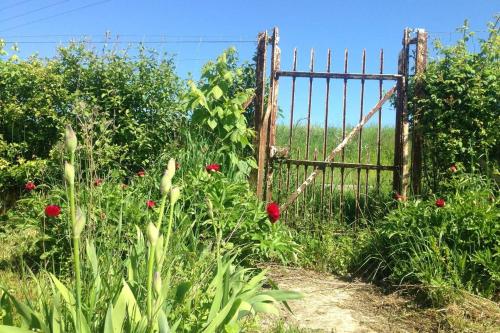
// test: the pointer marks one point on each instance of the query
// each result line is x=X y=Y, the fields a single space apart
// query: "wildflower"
x=175 y=194
x=177 y=166
x=453 y=168
x=52 y=210
x=165 y=183
x=399 y=197
x=213 y=167
x=440 y=202
x=171 y=168
x=152 y=233
x=70 y=139
x=141 y=173
x=273 y=212
x=150 y=203
x=29 y=186
x=79 y=223
x=157 y=282
x=69 y=173
x=98 y=182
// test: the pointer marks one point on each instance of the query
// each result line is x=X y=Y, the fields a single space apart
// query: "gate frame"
x=265 y=115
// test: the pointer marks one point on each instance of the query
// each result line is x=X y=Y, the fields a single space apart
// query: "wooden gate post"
x=417 y=140
x=260 y=127
x=401 y=174
x=272 y=109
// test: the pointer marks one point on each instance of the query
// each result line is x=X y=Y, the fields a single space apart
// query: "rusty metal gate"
x=313 y=181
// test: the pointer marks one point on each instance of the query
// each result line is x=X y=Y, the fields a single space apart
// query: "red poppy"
x=29 y=186
x=150 y=203
x=453 y=168
x=177 y=166
x=213 y=167
x=52 y=210
x=141 y=173
x=98 y=182
x=440 y=202
x=273 y=212
x=399 y=197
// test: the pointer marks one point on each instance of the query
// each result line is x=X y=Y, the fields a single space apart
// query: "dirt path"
x=334 y=305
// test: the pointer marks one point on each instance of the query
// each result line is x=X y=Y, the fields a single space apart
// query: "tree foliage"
x=460 y=110
x=125 y=103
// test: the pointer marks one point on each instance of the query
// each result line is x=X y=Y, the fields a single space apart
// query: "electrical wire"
x=140 y=42
x=58 y=14
x=33 y=11
x=15 y=5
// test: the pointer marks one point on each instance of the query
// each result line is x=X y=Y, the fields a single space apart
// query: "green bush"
x=217 y=103
x=441 y=249
x=460 y=117
x=125 y=107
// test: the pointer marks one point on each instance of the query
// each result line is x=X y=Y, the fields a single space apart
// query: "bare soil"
x=331 y=304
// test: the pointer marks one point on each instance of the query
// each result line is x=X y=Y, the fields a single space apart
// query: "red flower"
x=213 y=167
x=177 y=166
x=98 y=182
x=52 y=210
x=399 y=197
x=440 y=202
x=141 y=173
x=29 y=186
x=150 y=203
x=453 y=168
x=273 y=212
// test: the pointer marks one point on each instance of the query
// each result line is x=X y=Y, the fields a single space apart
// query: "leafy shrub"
x=218 y=105
x=442 y=249
x=124 y=106
x=460 y=117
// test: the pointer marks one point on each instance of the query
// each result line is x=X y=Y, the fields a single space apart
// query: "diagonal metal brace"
x=338 y=149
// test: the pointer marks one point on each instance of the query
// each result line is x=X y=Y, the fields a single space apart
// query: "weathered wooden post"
x=401 y=174
x=260 y=128
x=272 y=110
x=417 y=139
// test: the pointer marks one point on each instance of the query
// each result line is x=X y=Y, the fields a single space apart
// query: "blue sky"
x=196 y=31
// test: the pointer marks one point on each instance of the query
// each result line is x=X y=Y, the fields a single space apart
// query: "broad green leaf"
x=217 y=92
x=126 y=303
x=91 y=254
x=212 y=123
x=163 y=323
x=108 y=322
x=284 y=295
x=219 y=318
x=265 y=308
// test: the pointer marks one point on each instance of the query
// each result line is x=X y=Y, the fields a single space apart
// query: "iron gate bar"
x=325 y=129
x=379 y=128
x=290 y=135
x=344 y=110
x=337 y=149
x=360 y=138
x=323 y=165
x=309 y=106
x=346 y=76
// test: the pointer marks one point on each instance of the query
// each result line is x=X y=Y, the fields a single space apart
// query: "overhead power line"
x=139 y=42
x=15 y=5
x=29 y=12
x=57 y=15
